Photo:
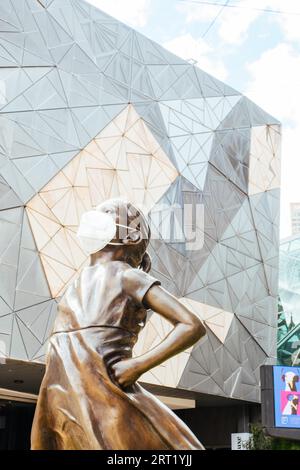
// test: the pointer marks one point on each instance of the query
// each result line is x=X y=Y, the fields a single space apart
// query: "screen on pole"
x=287 y=396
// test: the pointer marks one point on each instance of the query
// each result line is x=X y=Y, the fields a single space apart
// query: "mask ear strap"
x=118 y=243
x=126 y=226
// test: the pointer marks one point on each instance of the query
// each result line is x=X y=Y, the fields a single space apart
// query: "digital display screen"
x=287 y=396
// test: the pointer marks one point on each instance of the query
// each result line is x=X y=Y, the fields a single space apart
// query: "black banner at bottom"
x=146 y=459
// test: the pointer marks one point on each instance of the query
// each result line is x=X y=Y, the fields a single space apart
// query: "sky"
x=255 y=52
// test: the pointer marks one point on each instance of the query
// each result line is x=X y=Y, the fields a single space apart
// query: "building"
x=92 y=109
x=295 y=217
x=289 y=302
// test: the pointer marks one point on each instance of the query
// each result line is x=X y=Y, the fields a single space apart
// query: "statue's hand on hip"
x=126 y=372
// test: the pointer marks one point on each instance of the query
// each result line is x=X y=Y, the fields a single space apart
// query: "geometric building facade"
x=91 y=109
x=288 y=352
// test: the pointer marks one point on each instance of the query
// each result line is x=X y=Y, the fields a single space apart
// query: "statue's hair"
x=131 y=216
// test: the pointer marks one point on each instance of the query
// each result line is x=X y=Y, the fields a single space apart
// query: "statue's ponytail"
x=146 y=263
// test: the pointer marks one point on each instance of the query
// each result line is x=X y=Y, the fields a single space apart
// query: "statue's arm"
x=187 y=330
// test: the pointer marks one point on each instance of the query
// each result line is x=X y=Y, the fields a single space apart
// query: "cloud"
x=289 y=23
x=233 y=23
x=197 y=13
x=290 y=170
x=188 y=47
x=274 y=83
x=132 y=12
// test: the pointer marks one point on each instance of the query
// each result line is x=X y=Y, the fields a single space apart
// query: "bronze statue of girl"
x=89 y=398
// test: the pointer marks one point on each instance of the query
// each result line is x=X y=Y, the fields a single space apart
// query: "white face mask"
x=96 y=230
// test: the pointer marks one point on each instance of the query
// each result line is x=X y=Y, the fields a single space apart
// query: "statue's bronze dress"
x=80 y=406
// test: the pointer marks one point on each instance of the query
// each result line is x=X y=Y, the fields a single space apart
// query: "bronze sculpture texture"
x=89 y=397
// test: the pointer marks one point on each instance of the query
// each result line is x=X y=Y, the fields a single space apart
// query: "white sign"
x=240 y=441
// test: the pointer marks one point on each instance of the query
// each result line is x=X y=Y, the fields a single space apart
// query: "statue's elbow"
x=198 y=329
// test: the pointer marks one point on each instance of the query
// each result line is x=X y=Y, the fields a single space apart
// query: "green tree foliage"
x=260 y=441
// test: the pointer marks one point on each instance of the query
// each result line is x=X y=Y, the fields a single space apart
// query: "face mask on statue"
x=96 y=230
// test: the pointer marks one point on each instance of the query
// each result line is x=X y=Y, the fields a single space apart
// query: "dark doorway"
x=15 y=425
